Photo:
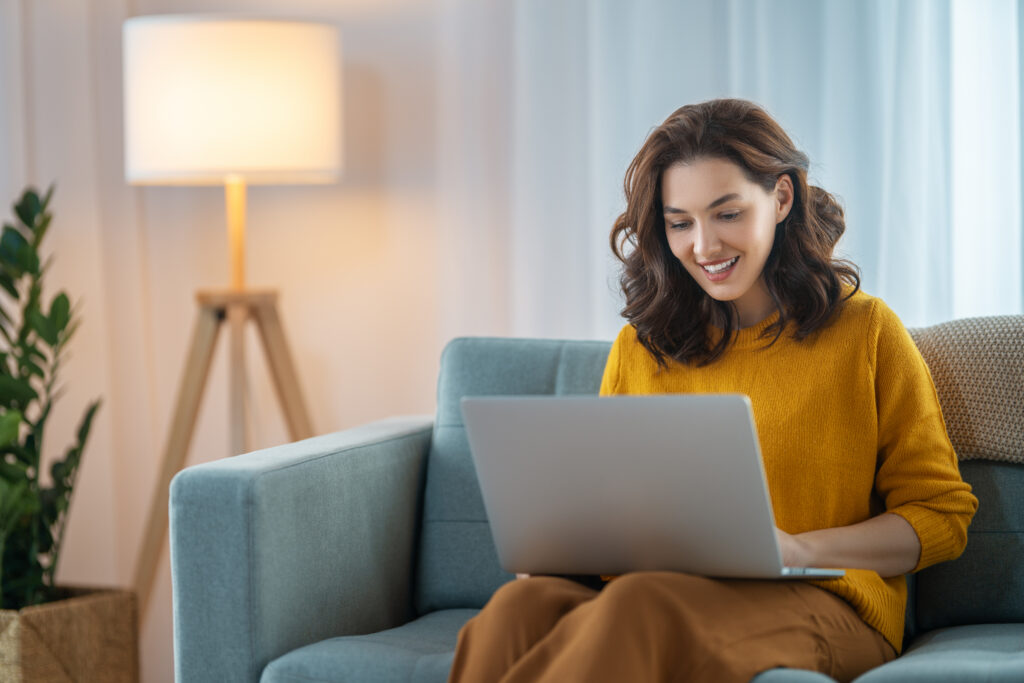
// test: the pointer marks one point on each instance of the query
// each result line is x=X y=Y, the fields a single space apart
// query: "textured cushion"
x=418 y=652
x=978 y=368
x=993 y=653
x=458 y=564
x=986 y=583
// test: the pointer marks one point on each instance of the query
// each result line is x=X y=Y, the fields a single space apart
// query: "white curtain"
x=910 y=112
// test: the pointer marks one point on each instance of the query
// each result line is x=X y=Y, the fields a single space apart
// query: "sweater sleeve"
x=918 y=476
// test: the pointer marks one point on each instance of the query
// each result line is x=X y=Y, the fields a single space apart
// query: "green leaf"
x=7 y=282
x=12 y=472
x=10 y=422
x=44 y=534
x=19 y=255
x=41 y=227
x=28 y=208
x=83 y=428
x=42 y=326
x=16 y=501
x=12 y=244
x=60 y=312
x=59 y=470
x=13 y=389
x=22 y=454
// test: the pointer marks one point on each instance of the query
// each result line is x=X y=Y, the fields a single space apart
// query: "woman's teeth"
x=721 y=267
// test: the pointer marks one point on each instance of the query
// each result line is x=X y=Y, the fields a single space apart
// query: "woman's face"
x=721 y=227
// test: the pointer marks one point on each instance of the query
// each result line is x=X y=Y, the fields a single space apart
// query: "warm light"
x=207 y=97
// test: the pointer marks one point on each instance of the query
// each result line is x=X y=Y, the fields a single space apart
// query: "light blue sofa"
x=357 y=556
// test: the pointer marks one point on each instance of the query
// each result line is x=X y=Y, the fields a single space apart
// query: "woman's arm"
x=886 y=544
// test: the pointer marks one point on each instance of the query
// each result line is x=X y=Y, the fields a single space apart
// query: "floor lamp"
x=232 y=101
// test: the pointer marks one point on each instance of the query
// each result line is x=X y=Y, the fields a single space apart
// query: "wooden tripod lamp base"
x=236 y=306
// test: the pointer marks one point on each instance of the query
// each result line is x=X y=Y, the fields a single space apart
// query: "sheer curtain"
x=910 y=112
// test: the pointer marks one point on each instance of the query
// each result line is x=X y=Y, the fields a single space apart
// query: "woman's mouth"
x=720 y=271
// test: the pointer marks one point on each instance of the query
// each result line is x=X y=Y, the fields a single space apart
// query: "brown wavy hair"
x=668 y=308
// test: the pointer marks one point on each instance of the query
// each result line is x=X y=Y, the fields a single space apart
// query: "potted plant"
x=44 y=629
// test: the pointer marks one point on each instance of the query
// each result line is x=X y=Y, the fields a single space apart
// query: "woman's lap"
x=663 y=626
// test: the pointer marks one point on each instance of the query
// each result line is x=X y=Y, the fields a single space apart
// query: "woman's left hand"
x=793 y=550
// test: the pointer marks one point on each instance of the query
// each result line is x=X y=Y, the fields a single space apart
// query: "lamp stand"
x=236 y=306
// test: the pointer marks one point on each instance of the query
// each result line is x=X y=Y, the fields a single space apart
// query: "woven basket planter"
x=89 y=636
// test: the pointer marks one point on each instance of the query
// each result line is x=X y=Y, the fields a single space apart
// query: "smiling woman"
x=731 y=287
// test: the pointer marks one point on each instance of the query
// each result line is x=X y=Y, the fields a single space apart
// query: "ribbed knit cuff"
x=939 y=542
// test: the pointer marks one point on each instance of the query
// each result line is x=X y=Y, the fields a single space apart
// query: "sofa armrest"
x=290 y=545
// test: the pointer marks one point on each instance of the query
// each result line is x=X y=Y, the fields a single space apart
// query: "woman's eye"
x=730 y=215
x=682 y=225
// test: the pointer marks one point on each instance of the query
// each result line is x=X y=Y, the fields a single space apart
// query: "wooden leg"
x=237 y=315
x=286 y=381
x=190 y=394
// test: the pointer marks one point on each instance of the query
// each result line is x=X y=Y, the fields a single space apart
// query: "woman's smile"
x=719 y=270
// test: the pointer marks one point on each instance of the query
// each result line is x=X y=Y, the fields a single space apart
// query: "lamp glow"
x=210 y=97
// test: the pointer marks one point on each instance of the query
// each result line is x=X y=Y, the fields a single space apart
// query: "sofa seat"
x=982 y=653
x=418 y=652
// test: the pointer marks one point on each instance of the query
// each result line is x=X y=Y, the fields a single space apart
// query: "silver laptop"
x=588 y=485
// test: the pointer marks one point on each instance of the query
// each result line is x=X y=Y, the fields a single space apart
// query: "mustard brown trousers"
x=662 y=626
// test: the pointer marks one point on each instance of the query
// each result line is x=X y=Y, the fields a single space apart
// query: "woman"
x=730 y=286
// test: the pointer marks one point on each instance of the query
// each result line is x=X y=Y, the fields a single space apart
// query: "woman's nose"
x=705 y=242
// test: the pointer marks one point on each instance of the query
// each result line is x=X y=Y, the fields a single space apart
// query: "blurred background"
x=485 y=143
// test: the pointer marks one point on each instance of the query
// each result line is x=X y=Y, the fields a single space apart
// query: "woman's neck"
x=754 y=305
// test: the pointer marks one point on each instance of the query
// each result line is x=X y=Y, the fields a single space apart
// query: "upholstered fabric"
x=283 y=547
x=458 y=564
x=418 y=652
x=978 y=368
x=989 y=653
x=986 y=583
x=791 y=676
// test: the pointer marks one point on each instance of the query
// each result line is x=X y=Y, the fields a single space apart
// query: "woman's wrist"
x=886 y=544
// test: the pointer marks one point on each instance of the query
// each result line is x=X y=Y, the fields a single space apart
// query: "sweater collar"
x=748 y=337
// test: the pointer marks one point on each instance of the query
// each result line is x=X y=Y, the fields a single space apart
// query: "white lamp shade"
x=208 y=97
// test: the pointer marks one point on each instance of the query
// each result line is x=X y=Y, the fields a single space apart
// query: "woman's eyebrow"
x=721 y=200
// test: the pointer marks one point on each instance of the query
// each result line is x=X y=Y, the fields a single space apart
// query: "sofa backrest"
x=457 y=564
x=978 y=368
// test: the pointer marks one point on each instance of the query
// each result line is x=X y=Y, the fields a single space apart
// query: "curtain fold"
x=910 y=112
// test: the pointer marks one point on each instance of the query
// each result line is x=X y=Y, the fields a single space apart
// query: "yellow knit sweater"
x=850 y=426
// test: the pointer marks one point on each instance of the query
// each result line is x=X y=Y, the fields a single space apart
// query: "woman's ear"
x=783 y=197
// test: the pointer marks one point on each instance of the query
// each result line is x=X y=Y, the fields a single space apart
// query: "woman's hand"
x=793 y=550
x=886 y=544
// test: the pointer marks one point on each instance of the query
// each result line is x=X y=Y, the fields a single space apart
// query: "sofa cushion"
x=985 y=584
x=978 y=368
x=418 y=652
x=993 y=653
x=791 y=676
x=458 y=564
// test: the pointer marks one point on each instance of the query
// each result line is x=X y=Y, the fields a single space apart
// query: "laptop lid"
x=589 y=485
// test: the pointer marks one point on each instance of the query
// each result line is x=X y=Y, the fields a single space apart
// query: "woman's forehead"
x=693 y=185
